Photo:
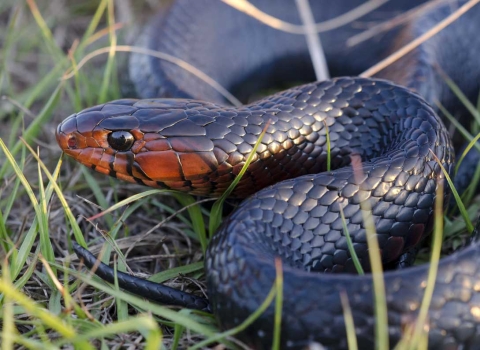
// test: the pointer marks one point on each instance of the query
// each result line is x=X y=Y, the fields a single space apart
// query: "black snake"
x=199 y=147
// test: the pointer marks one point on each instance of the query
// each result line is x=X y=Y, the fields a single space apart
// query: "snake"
x=329 y=147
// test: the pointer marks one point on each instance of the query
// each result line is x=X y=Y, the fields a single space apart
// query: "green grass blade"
x=110 y=66
x=470 y=145
x=175 y=271
x=461 y=96
x=198 y=224
x=458 y=200
x=419 y=328
x=349 y=325
x=381 y=321
x=278 y=305
x=351 y=249
x=33 y=309
x=457 y=125
x=34 y=128
x=216 y=213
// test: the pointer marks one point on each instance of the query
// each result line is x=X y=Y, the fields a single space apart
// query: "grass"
x=46 y=303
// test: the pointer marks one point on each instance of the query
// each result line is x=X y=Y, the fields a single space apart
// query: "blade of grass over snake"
x=458 y=200
x=278 y=304
x=329 y=147
x=419 y=40
x=216 y=213
x=347 y=17
x=381 y=321
x=349 y=325
x=470 y=145
x=351 y=249
x=470 y=192
x=121 y=306
x=382 y=27
x=419 y=327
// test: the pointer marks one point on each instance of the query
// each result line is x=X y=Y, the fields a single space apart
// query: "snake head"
x=161 y=143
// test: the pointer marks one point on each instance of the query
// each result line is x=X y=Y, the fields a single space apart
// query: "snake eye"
x=120 y=140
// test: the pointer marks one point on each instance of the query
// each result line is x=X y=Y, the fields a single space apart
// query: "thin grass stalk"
x=34 y=128
x=93 y=25
x=329 y=146
x=461 y=206
x=381 y=319
x=216 y=212
x=164 y=56
x=49 y=319
x=278 y=304
x=314 y=44
x=437 y=238
x=471 y=189
x=420 y=40
x=351 y=249
x=8 y=323
x=461 y=96
x=349 y=324
x=345 y=18
x=110 y=66
x=55 y=51
x=467 y=135
x=470 y=145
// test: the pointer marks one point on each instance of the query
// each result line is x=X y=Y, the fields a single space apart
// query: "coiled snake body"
x=197 y=146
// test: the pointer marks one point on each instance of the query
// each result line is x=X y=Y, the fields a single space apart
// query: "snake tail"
x=152 y=291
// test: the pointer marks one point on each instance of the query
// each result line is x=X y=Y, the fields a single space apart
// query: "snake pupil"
x=120 y=140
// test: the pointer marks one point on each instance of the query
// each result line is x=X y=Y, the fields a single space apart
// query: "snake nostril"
x=72 y=142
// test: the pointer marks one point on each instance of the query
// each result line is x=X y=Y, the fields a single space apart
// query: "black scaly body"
x=394 y=131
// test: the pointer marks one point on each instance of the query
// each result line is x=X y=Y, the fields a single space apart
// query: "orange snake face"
x=161 y=143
